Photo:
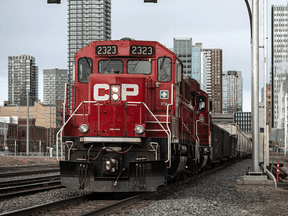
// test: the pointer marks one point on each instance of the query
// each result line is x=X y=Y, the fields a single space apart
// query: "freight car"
x=135 y=122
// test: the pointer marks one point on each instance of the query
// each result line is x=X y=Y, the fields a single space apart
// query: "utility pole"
x=255 y=92
x=264 y=68
x=27 y=128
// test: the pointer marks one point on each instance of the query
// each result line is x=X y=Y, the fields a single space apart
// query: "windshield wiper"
x=135 y=65
x=107 y=65
x=163 y=62
x=88 y=62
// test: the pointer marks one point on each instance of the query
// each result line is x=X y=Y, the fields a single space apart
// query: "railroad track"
x=33 y=172
x=11 y=192
x=28 y=167
x=86 y=203
x=28 y=181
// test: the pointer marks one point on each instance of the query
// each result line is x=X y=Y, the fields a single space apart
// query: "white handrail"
x=166 y=131
x=61 y=129
x=170 y=134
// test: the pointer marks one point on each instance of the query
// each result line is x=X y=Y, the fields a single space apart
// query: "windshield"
x=139 y=67
x=84 y=69
x=164 y=69
x=201 y=103
x=110 y=67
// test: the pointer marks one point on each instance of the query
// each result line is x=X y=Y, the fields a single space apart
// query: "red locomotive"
x=137 y=122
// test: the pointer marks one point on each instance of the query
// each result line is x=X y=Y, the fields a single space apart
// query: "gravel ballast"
x=215 y=194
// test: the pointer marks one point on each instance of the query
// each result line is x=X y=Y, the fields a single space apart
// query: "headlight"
x=108 y=165
x=84 y=128
x=115 y=92
x=139 y=129
x=115 y=97
x=115 y=89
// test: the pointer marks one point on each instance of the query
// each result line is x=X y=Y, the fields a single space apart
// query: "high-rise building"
x=22 y=77
x=232 y=92
x=54 y=85
x=269 y=105
x=193 y=60
x=199 y=66
x=243 y=120
x=203 y=72
x=279 y=67
x=88 y=20
x=214 y=78
x=183 y=48
x=262 y=94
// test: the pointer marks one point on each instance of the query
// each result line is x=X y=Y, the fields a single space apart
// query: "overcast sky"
x=35 y=28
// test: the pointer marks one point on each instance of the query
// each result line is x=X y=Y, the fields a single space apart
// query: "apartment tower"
x=279 y=67
x=54 y=85
x=199 y=66
x=22 y=78
x=232 y=92
x=183 y=48
x=214 y=78
x=88 y=20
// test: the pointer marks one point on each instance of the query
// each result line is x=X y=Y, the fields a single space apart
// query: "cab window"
x=201 y=101
x=139 y=67
x=85 y=66
x=164 y=69
x=110 y=67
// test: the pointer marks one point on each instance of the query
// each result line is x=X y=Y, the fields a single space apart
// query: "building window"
x=23 y=134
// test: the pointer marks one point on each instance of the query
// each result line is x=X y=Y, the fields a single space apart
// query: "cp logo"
x=124 y=91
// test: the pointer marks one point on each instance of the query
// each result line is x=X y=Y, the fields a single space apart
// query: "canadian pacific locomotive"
x=136 y=121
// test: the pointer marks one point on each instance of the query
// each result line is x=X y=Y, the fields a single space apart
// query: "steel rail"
x=47 y=206
x=23 y=167
x=28 y=181
x=28 y=186
x=4 y=175
x=27 y=192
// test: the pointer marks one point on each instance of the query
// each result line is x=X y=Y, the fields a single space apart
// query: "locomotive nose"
x=120 y=110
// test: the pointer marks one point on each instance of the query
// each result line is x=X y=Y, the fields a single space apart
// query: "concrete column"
x=255 y=93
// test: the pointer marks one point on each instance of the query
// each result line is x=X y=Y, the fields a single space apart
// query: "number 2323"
x=142 y=50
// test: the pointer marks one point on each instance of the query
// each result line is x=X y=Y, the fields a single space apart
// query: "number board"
x=106 y=50
x=142 y=50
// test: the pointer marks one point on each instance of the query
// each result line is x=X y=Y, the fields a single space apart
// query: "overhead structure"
x=53 y=1
x=150 y=1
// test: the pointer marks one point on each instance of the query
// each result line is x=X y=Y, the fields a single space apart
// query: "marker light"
x=84 y=128
x=115 y=92
x=139 y=129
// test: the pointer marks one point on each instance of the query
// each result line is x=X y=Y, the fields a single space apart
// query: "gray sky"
x=33 y=27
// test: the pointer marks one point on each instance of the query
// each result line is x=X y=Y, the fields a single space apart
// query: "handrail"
x=197 y=130
x=166 y=131
x=61 y=129
x=170 y=134
x=204 y=124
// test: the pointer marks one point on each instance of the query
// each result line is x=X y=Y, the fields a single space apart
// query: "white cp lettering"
x=96 y=92
x=124 y=91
